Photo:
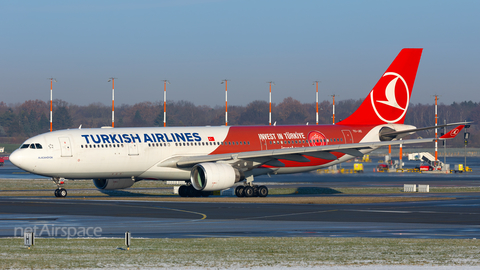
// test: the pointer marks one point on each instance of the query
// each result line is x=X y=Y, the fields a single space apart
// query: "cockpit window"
x=31 y=146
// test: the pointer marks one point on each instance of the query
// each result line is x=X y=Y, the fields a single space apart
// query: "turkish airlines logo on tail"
x=390 y=103
x=454 y=132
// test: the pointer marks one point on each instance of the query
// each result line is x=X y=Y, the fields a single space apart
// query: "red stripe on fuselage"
x=255 y=138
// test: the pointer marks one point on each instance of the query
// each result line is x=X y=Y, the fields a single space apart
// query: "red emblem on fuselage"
x=316 y=138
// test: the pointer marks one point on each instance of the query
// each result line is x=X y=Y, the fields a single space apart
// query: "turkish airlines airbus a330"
x=215 y=158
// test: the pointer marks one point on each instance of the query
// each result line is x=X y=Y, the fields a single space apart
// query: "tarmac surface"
x=458 y=217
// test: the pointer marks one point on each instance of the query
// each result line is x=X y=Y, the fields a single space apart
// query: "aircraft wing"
x=301 y=154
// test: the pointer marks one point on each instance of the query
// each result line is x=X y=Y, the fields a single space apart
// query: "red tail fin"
x=388 y=101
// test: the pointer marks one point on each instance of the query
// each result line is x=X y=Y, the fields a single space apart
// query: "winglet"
x=453 y=133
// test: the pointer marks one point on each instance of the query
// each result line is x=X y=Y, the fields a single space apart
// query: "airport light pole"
x=51 y=101
x=113 y=100
x=466 y=136
x=165 y=102
x=333 y=116
x=444 y=143
x=270 y=103
x=316 y=101
x=436 y=133
x=400 y=150
x=226 y=103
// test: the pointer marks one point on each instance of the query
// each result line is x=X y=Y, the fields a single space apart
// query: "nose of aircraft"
x=16 y=158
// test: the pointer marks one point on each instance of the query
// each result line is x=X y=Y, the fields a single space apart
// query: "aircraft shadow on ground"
x=314 y=190
x=124 y=193
x=299 y=190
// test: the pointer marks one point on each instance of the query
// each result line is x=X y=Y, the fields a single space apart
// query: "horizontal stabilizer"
x=453 y=133
x=410 y=131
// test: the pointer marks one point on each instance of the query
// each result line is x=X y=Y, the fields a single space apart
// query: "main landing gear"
x=60 y=191
x=190 y=191
x=251 y=191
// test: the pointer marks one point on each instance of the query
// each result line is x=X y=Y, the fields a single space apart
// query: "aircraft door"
x=347 y=134
x=133 y=149
x=65 y=147
x=263 y=144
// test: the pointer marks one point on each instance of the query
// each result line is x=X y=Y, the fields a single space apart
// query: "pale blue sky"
x=195 y=44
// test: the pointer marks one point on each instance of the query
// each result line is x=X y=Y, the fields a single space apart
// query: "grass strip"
x=50 y=253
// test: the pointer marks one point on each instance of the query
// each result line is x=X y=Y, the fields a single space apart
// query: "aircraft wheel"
x=249 y=191
x=255 y=191
x=56 y=192
x=62 y=193
x=182 y=191
x=239 y=191
x=262 y=191
x=191 y=191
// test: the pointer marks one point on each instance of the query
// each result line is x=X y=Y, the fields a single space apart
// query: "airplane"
x=216 y=158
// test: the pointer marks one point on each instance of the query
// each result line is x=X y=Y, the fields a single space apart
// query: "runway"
x=457 y=218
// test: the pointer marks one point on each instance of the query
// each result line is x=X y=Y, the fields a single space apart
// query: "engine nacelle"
x=113 y=183
x=214 y=176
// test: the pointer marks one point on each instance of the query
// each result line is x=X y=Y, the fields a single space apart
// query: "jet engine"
x=214 y=176
x=113 y=183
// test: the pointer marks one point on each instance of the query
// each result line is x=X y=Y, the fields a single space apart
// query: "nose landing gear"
x=60 y=192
